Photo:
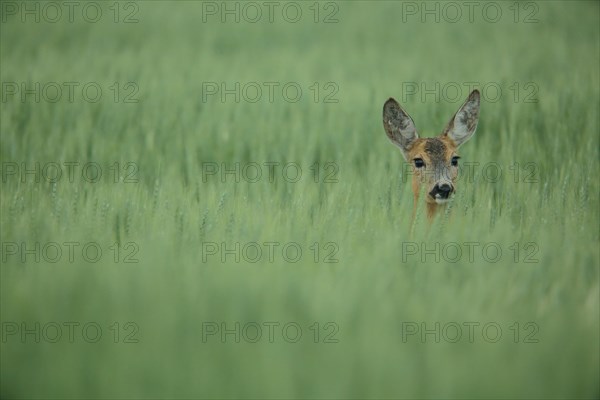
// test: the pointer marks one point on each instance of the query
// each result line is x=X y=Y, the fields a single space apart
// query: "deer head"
x=434 y=160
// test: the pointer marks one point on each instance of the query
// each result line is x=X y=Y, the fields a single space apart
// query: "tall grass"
x=375 y=289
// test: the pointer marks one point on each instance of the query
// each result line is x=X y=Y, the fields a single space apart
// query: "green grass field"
x=305 y=281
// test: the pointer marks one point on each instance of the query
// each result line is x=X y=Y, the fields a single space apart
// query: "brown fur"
x=437 y=154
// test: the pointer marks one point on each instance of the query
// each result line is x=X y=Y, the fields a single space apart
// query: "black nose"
x=445 y=188
x=442 y=191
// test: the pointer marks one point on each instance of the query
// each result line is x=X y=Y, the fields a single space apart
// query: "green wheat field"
x=199 y=201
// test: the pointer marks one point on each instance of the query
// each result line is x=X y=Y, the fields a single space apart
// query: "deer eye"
x=419 y=163
x=455 y=161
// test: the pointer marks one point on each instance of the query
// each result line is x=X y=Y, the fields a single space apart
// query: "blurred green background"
x=158 y=123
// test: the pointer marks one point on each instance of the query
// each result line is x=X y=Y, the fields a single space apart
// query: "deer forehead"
x=434 y=149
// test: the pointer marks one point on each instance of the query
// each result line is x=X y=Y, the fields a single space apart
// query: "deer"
x=434 y=160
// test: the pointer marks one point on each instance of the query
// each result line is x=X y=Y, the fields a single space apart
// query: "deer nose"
x=445 y=188
x=442 y=191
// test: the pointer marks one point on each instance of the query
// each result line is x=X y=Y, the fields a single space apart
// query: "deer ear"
x=399 y=126
x=463 y=124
